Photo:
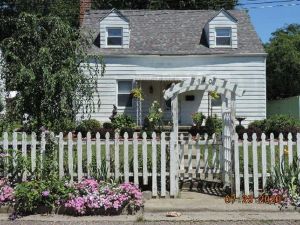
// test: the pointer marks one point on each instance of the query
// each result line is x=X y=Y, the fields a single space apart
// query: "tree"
x=164 y=4
x=283 y=62
x=44 y=61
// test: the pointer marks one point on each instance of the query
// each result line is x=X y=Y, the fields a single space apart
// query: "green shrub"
x=107 y=125
x=240 y=130
x=213 y=125
x=123 y=121
x=261 y=124
x=277 y=124
x=198 y=118
x=91 y=125
x=40 y=195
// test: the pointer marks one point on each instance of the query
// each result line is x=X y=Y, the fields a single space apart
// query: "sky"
x=267 y=19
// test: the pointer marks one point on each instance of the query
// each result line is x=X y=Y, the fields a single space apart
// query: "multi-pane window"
x=114 y=36
x=223 y=36
x=124 y=94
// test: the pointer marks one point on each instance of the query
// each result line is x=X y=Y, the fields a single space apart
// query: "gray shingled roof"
x=172 y=32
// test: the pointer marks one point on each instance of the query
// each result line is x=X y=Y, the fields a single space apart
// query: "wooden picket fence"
x=263 y=157
x=157 y=162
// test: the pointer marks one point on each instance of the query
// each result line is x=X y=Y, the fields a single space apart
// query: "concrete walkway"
x=202 y=207
x=195 y=208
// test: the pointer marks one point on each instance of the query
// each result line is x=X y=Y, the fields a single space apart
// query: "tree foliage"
x=164 y=4
x=44 y=61
x=283 y=62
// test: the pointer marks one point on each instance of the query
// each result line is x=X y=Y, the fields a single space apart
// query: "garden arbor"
x=228 y=92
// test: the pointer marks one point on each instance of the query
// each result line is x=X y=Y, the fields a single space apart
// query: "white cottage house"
x=153 y=49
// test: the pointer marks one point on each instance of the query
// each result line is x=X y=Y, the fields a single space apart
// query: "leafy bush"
x=91 y=125
x=276 y=124
x=129 y=130
x=194 y=130
x=122 y=121
x=240 y=130
x=279 y=123
x=198 y=118
x=155 y=115
x=40 y=194
x=107 y=125
x=213 y=125
x=103 y=132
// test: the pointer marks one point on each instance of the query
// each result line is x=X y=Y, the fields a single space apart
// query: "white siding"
x=247 y=71
x=222 y=20
x=114 y=20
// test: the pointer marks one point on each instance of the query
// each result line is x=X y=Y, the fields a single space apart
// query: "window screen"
x=114 y=36
x=124 y=93
x=223 y=36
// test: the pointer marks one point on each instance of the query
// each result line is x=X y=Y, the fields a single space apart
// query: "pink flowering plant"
x=92 y=197
x=6 y=192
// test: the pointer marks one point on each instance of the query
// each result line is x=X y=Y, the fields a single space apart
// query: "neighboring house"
x=289 y=106
x=153 y=49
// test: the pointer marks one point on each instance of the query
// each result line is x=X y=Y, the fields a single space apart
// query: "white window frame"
x=106 y=37
x=117 y=95
x=230 y=36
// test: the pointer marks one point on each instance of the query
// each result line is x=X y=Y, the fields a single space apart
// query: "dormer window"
x=223 y=37
x=114 y=36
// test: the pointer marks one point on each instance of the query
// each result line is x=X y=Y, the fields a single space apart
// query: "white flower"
x=159 y=110
x=151 y=119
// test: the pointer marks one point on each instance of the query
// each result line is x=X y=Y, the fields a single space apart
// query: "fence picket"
x=237 y=166
x=190 y=156
x=107 y=154
x=43 y=148
x=290 y=148
x=89 y=153
x=154 y=165
x=117 y=154
x=263 y=160
x=281 y=151
x=79 y=156
x=255 y=166
x=61 y=154
x=172 y=165
x=33 y=152
x=198 y=155
x=15 y=148
x=145 y=151
x=24 y=154
x=246 y=170
x=181 y=158
x=214 y=154
x=205 y=153
x=272 y=148
x=6 y=151
x=135 y=159
x=126 y=164
x=163 y=164
x=98 y=152
x=70 y=156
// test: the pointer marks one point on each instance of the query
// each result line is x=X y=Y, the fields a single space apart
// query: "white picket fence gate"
x=158 y=162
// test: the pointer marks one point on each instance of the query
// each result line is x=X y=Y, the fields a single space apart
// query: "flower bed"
x=88 y=197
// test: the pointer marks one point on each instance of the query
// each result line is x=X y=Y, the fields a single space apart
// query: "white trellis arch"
x=228 y=92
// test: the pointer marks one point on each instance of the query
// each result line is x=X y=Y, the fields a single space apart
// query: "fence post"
x=79 y=156
x=24 y=154
x=154 y=168
x=70 y=156
x=61 y=154
x=163 y=165
x=237 y=166
x=145 y=152
x=227 y=147
x=255 y=167
x=174 y=167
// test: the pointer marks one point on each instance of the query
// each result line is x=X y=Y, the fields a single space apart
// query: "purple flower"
x=45 y=193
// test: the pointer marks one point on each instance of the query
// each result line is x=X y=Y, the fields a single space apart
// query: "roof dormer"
x=221 y=30
x=114 y=30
